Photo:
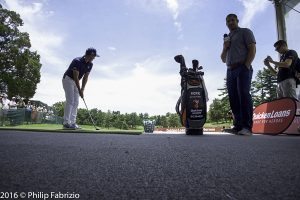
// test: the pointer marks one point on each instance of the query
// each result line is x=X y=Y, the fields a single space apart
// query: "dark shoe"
x=233 y=130
x=68 y=126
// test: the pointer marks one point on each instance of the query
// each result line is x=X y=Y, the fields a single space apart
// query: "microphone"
x=226 y=37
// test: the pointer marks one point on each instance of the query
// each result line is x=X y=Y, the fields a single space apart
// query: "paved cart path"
x=151 y=166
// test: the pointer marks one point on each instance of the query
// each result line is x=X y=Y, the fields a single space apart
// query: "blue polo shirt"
x=80 y=65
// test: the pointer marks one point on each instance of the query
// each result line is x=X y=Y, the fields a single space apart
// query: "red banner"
x=294 y=128
x=274 y=117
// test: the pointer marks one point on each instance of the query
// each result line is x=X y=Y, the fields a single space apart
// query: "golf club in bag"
x=191 y=105
x=90 y=115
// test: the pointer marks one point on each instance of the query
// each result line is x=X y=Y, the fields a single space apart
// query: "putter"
x=90 y=115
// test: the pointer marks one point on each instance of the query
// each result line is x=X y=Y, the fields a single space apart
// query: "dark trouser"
x=238 y=85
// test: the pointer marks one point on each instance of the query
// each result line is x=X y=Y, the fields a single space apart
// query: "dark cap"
x=91 y=51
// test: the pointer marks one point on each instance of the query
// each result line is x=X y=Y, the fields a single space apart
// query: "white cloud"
x=178 y=26
x=174 y=7
x=144 y=88
x=50 y=89
x=142 y=91
x=111 y=48
x=252 y=7
x=147 y=88
x=43 y=39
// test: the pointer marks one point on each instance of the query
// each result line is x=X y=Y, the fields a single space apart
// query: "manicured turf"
x=58 y=128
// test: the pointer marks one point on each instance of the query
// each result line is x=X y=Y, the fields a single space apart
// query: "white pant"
x=72 y=99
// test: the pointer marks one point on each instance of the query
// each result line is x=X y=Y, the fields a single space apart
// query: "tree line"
x=115 y=119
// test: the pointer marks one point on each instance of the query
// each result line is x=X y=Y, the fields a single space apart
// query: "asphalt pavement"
x=149 y=166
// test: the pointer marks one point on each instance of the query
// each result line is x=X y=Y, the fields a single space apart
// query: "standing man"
x=1 y=112
x=285 y=76
x=13 y=103
x=79 y=68
x=5 y=107
x=239 y=50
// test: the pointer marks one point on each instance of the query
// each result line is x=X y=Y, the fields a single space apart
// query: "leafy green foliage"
x=264 y=87
x=58 y=108
x=19 y=67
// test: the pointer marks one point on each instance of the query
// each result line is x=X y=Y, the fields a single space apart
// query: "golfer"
x=79 y=68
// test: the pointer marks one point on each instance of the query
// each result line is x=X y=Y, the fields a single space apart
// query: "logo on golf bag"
x=196 y=104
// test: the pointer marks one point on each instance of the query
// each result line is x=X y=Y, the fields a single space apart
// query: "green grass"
x=215 y=125
x=58 y=128
x=91 y=129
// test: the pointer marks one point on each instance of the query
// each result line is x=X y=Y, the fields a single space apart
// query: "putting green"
x=59 y=130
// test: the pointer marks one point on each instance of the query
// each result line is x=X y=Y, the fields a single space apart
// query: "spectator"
x=1 y=112
x=5 y=102
x=13 y=103
x=286 y=83
x=5 y=107
x=44 y=109
x=44 y=113
x=21 y=103
x=28 y=110
x=1 y=105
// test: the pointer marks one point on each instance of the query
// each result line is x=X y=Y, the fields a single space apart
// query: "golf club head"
x=195 y=64
x=179 y=59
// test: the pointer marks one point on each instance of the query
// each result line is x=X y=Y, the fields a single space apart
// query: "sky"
x=137 y=41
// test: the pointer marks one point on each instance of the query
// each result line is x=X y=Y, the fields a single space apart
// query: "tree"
x=83 y=117
x=224 y=101
x=100 y=118
x=58 y=108
x=157 y=120
x=216 y=112
x=264 y=89
x=108 y=119
x=19 y=67
x=164 y=121
x=132 y=120
x=174 y=120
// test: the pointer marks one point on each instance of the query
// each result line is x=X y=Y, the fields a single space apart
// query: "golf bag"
x=191 y=105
